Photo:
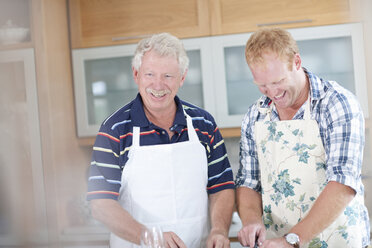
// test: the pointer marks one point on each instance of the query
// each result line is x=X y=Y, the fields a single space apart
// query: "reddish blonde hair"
x=276 y=40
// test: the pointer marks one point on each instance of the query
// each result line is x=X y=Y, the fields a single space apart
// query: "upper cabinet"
x=236 y=16
x=334 y=52
x=218 y=79
x=104 y=23
x=111 y=22
x=15 y=24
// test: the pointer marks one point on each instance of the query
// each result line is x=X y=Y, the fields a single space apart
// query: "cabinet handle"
x=283 y=23
x=130 y=37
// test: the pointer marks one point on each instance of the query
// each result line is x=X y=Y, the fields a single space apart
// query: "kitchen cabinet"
x=238 y=16
x=218 y=79
x=103 y=81
x=105 y=23
x=15 y=24
x=333 y=52
x=23 y=205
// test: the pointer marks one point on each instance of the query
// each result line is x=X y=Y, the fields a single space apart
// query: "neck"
x=289 y=113
x=163 y=119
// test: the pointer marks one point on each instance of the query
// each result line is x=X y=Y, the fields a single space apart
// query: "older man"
x=158 y=160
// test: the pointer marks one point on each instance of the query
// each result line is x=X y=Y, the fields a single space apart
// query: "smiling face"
x=280 y=81
x=158 y=80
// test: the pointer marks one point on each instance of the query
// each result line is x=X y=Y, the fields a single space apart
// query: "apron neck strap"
x=136 y=136
x=190 y=128
x=307 y=112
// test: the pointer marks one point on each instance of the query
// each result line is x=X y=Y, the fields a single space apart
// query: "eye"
x=168 y=76
x=149 y=74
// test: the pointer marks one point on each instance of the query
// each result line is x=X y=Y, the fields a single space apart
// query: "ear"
x=183 y=78
x=297 y=61
x=135 y=75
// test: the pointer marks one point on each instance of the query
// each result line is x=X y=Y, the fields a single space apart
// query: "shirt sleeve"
x=105 y=173
x=249 y=171
x=220 y=174
x=344 y=141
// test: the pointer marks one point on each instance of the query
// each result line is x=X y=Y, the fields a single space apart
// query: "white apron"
x=166 y=185
x=293 y=174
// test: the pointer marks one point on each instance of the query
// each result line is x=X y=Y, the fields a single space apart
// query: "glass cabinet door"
x=192 y=89
x=104 y=82
x=109 y=86
x=331 y=52
x=241 y=92
x=198 y=86
x=22 y=205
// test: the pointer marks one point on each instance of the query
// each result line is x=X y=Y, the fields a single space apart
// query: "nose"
x=157 y=82
x=269 y=90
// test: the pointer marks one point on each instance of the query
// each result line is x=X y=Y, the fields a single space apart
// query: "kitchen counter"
x=100 y=234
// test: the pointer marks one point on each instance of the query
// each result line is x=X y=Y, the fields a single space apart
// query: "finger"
x=168 y=240
x=172 y=243
x=252 y=238
x=261 y=236
x=242 y=238
x=178 y=241
x=227 y=244
x=216 y=244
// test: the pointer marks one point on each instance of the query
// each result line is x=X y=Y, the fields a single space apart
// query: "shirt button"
x=163 y=132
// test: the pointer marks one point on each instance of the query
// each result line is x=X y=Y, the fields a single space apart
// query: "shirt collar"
x=139 y=118
x=317 y=90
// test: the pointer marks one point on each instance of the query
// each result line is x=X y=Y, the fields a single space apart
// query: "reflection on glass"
x=331 y=59
x=99 y=88
x=241 y=91
x=109 y=86
x=192 y=89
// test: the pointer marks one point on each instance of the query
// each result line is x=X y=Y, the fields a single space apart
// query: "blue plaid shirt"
x=341 y=125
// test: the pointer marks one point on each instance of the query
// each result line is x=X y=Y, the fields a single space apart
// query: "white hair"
x=164 y=44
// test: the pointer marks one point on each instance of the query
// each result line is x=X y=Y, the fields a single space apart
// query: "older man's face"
x=158 y=80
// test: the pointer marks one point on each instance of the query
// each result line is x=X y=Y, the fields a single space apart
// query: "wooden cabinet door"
x=111 y=22
x=237 y=16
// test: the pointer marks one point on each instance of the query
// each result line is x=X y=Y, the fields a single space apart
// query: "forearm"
x=249 y=204
x=328 y=206
x=118 y=220
x=221 y=208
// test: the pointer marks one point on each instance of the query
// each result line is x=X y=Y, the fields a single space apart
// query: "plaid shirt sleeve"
x=342 y=130
x=249 y=172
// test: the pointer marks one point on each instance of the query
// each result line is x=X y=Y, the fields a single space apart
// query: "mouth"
x=157 y=93
x=279 y=97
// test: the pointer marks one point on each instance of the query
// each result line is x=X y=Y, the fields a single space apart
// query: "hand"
x=252 y=233
x=171 y=240
x=218 y=239
x=275 y=243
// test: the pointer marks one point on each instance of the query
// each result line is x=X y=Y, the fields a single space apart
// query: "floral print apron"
x=293 y=174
